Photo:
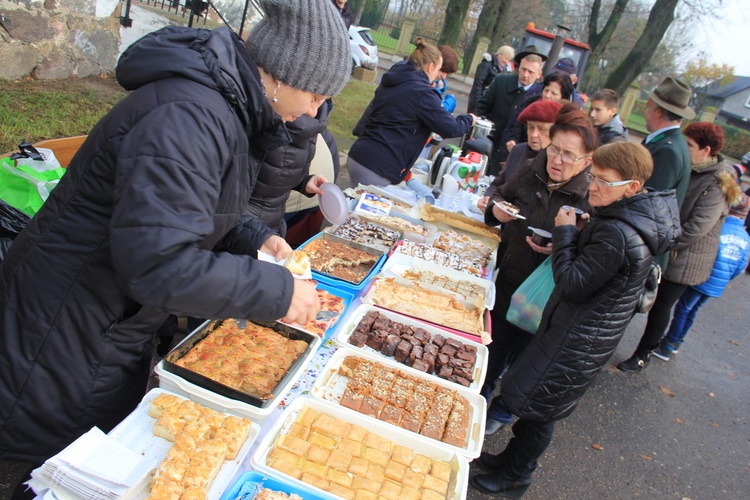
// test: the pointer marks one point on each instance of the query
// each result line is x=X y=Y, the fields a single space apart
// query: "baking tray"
x=385 y=248
x=136 y=432
x=459 y=221
x=400 y=262
x=330 y=387
x=342 y=339
x=261 y=401
x=341 y=283
x=457 y=487
x=253 y=478
x=431 y=231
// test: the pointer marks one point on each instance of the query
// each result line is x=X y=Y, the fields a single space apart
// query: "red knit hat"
x=540 y=111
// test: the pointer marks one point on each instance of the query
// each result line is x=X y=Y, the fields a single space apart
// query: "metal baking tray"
x=329 y=278
x=379 y=246
x=259 y=400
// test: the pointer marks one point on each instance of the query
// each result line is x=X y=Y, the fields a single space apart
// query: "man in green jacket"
x=667 y=106
x=501 y=97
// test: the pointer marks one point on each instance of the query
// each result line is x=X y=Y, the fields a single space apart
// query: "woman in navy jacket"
x=399 y=120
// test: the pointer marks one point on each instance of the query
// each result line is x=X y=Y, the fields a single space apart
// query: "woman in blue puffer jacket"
x=734 y=249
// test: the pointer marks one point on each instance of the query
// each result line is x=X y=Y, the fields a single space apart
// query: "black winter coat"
x=487 y=69
x=147 y=221
x=527 y=190
x=599 y=276
x=287 y=168
x=398 y=121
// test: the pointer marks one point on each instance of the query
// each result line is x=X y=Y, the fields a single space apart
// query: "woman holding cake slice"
x=599 y=271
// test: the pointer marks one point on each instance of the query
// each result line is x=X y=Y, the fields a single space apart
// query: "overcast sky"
x=729 y=36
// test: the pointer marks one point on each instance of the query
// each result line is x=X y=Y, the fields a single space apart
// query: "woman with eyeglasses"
x=600 y=269
x=398 y=121
x=555 y=177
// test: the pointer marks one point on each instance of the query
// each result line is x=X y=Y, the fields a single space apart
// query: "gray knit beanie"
x=303 y=43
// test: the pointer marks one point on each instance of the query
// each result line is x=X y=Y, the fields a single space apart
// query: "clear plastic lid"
x=333 y=203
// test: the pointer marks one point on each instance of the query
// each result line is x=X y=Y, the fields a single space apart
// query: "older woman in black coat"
x=599 y=273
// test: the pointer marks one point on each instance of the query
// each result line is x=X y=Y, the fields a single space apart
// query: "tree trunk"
x=360 y=10
x=455 y=13
x=598 y=41
x=486 y=25
x=501 y=19
x=661 y=16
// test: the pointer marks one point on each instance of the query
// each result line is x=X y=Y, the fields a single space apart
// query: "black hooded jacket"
x=599 y=276
x=149 y=220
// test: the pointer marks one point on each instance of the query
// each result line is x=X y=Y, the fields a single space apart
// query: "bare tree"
x=455 y=13
x=491 y=19
x=598 y=40
x=661 y=16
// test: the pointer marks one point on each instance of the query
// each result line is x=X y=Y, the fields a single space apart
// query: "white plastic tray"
x=459 y=464
x=482 y=336
x=480 y=368
x=400 y=262
x=330 y=387
x=206 y=397
x=136 y=432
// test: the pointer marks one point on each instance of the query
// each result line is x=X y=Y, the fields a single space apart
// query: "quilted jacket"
x=599 y=275
x=149 y=220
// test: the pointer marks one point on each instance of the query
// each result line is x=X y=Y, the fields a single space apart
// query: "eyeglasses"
x=591 y=178
x=553 y=152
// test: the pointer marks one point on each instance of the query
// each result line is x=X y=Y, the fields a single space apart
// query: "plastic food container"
x=330 y=387
x=398 y=263
x=457 y=487
x=136 y=432
x=342 y=339
x=220 y=397
x=256 y=478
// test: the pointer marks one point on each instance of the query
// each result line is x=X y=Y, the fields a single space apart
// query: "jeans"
x=659 y=315
x=530 y=440
x=508 y=341
x=684 y=315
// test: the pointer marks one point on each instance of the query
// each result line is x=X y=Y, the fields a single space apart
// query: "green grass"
x=348 y=109
x=37 y=110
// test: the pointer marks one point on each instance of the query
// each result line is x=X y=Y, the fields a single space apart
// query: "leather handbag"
x=648 y=297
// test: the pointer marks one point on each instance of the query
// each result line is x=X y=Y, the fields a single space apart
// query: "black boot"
x=635 y=363
x=497 y=485
x=490 y=462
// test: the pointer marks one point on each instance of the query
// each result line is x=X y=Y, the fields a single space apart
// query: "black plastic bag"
x=12 y=222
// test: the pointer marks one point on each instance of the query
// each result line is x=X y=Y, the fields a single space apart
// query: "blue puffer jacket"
x=734 y=249
x=399 y=120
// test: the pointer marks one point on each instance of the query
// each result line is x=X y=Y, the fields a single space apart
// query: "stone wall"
x=58 y=38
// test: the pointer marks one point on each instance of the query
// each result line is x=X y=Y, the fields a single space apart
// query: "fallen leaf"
x=733 y=376
x=711 y=394
x=667 y=391
x=597 y=446
x=645 y=457
x=734 y=343
x=713 y=424
x=679 y=421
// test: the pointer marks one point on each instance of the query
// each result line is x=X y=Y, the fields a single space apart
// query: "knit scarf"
x=705 y=164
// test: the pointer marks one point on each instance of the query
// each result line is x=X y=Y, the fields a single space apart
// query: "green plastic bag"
x=528 y=301
x=26 y=188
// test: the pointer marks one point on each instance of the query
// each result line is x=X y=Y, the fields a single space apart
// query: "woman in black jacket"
x=599 y=273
